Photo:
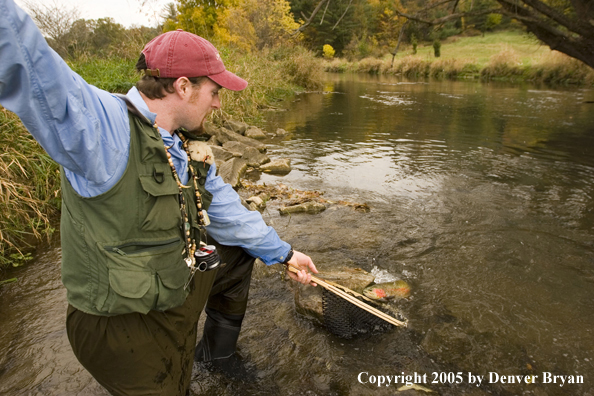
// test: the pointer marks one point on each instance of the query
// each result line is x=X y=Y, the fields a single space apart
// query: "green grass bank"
x=508 y=55
x=29 y=179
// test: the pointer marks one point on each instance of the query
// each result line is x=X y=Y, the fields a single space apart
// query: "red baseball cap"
x=181 y=54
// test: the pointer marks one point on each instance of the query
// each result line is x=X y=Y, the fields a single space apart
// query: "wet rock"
x=308 y=300
x=235 y=148
x=232 y=171
x=213 y=141
x=210 y=129
x=253 y=157
x=312 y=207
x=221 y=156
x=256 y=202
x=236 y=126
x=255 y=133
x=281 y=132
x=282 y=165
x=225 y=135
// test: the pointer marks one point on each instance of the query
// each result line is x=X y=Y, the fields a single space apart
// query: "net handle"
x=351 y=299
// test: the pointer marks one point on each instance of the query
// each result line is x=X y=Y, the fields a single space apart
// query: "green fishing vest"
x=122 y=251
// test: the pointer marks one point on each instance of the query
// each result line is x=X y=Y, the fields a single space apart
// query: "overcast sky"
x=125 y=12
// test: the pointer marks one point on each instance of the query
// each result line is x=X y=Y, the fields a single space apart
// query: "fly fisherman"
x=137 y=195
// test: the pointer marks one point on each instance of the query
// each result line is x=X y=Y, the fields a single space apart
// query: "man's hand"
x=304 y=264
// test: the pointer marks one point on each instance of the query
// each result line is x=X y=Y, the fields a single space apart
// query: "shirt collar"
x=134 y=96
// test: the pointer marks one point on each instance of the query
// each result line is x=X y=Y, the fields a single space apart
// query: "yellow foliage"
x=328 y=51
x=237 y=29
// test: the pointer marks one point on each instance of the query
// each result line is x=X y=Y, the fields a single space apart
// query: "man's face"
x=201 y=102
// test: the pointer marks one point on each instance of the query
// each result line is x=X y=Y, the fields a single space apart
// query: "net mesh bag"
x=346 y=320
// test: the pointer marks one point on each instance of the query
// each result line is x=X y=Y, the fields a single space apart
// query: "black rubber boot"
x=219 y=339
x=217 y=347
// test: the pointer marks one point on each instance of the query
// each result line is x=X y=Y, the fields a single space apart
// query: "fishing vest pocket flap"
x=130 y=284
x=171 y=289
x=135 y=272
x=159 y=182
x=174 y=278
x=161 y=203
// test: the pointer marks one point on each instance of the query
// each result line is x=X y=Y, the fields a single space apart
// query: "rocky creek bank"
x=238 y=149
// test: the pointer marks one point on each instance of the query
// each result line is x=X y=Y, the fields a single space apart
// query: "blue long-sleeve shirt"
x=86 y=130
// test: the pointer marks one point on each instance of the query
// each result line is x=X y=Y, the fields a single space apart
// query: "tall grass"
x=29 y=191
x=273 y=76
x=111 y=74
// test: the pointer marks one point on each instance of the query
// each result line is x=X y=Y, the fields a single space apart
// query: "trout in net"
x=346 y=319
x=347 y=313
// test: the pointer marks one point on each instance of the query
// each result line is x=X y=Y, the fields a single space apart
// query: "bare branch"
x=310 y=19
x=573 y=25
x=342 y=16
x=324 y=14
x=399 y=40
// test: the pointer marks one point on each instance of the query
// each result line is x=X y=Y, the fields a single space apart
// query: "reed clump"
x=453 y=68
x=503 y=65
x=558 y=68
x=412 y=67
x=29 y=192
x=372 y=66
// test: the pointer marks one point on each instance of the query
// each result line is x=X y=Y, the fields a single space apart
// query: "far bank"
x=506 y=56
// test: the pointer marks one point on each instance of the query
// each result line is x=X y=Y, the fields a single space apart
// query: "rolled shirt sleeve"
x=232 y=224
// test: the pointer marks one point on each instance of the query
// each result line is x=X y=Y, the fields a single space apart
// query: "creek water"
x=481 y=197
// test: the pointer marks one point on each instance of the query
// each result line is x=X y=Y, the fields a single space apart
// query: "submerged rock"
x=255 y=133
x=282 y=165
x=312 y=207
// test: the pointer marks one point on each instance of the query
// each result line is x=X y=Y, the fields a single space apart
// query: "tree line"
x=353 y=28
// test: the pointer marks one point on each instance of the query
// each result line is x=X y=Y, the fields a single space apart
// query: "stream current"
x=481 y=197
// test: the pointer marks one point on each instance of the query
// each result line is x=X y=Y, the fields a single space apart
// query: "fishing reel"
x=207 y=258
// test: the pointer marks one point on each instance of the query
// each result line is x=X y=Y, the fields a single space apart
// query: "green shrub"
x=437 y=48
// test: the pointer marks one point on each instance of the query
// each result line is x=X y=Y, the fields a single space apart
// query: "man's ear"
x=181 y=86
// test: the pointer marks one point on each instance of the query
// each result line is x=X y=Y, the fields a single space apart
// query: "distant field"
x=480 y=49
x=508 y=55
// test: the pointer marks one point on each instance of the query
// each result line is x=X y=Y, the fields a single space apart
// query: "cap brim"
x=229 y=80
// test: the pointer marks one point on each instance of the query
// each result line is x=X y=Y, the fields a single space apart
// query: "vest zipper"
x=141 y=247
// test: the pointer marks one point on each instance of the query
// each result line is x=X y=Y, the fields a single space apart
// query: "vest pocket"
x=171 y=282
x=161 y=202
x=142 y=275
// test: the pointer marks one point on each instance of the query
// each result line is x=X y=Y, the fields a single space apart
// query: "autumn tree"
x=248 y=24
